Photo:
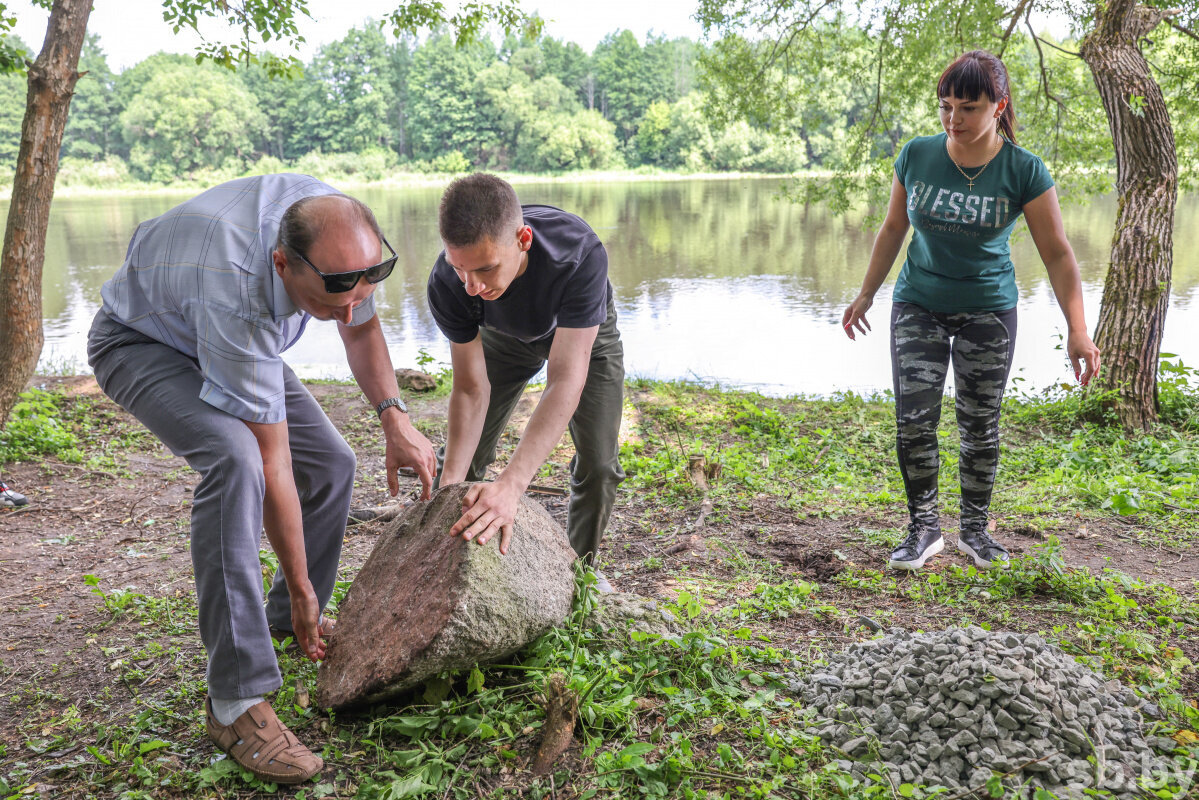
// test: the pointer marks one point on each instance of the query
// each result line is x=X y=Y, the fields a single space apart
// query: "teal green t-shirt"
x=959 y=258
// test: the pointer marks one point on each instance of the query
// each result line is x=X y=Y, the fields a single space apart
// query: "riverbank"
x=1077 y=187
x=776 y=565
x=106 y=185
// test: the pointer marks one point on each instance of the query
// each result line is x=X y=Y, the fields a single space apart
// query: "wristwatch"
x=388 y=403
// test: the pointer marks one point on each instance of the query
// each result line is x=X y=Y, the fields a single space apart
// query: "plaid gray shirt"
x=200 y=279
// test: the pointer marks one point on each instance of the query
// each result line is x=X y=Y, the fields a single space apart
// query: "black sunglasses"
x=338 y=282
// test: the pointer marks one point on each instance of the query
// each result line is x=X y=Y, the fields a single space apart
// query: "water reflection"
x=715 y=280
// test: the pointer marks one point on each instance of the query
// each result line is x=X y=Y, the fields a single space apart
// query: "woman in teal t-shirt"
x=955 y=300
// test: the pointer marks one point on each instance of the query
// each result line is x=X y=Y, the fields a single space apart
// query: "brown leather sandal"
x=258 y=741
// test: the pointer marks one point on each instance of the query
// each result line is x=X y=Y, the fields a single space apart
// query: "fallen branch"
x=12 y=512
x=32 y=678
x=376 y=513
x=137 y=501
x=552 y=491
x=690 y=542
x=31 y=590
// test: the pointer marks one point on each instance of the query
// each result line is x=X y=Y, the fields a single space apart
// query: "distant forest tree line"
x=369 y=104
x=531 y=106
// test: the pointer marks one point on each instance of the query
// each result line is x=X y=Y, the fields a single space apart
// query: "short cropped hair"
x=478 y=207
x=306 y=219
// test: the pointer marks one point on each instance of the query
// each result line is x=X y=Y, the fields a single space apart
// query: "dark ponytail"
x=977 y=73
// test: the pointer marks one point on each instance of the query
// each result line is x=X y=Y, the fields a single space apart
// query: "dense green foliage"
x=790 y=64
x=537 y=104
x=12 y=110
x=185 y=118
x=36 y=428
x=527 y=104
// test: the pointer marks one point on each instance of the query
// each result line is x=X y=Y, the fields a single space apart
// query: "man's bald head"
x=307 y=220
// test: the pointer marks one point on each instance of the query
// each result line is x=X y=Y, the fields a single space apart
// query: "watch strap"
x=388 y=403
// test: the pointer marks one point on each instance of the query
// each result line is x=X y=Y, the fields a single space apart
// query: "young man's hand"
x=487 y=509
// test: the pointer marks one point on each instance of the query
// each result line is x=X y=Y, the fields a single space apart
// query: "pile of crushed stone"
x=951 y=708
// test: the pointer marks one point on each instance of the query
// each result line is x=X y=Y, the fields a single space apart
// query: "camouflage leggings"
x=980 y=346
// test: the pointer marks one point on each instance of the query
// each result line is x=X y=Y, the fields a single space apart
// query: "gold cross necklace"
x=970 y=179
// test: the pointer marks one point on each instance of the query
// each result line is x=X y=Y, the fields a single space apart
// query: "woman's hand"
x=1044 y=218
x=1082 y=351
x=855 y=316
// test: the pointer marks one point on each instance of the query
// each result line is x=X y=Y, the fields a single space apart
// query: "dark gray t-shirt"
x=564 y=286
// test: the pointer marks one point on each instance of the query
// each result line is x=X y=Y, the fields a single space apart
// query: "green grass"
x=835 y=457
x=814 y=454
x=714 y=713
x=47 y=423
x=710 y=714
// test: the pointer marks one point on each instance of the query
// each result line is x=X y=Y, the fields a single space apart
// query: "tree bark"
x=1136 y=292
x=52 y=80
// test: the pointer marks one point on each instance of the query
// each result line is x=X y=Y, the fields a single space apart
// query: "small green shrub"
x=452 y=163
x=370 y=165
x=1177 y=392
x=112 y=171
x=36 y=428
x=441 y=371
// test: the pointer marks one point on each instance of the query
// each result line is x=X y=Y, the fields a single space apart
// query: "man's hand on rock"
x=489 y=508
x=408 y=447
x=306 y=621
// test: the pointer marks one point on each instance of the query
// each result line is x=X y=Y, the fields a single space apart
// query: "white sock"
x=227 y=711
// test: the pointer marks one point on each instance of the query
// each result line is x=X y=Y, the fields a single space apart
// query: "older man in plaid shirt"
x=188 y=340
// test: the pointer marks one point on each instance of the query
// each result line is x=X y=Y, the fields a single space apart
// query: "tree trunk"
x=1137 y=290
x=52 y=80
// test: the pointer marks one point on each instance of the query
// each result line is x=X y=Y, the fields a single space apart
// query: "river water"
x=716 y=280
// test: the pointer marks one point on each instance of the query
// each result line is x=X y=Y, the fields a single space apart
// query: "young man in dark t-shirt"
x=515 y=287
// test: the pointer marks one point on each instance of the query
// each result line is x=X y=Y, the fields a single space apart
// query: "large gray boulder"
x=426 y=602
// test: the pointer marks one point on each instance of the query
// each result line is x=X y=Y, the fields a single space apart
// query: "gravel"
x=951 y=708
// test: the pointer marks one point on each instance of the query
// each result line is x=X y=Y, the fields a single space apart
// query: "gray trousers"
x=161 y=387
x=595 y=470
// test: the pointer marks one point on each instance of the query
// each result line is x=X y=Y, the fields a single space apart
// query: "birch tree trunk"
x=52 y=80
x=1137 y=289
